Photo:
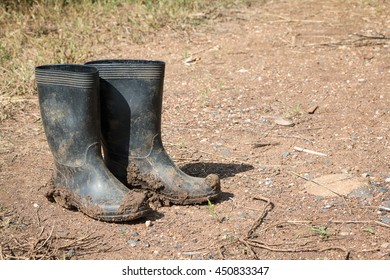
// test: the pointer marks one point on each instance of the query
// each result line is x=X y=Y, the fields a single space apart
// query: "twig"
x=309 y=151
x=260 y=145
x=267 y=208
x=192 y=253
x=38 y=219
x=47 y=239
x=384 y=208
x=1 y=253
x=382 y=224
x=259 y=244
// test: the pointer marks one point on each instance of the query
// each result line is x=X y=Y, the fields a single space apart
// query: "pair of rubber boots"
x=114 y=104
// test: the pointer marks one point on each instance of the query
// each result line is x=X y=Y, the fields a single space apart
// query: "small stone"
x=385 y=219
x=148 y=223
x=268 y=181
x=241 y=215
x=383 y=189
x=70 y=253
x=35 y=205
x=133 y=242
x=135 y=234
x=362 y=192
x=177 y=246
x=284 y=122
x=285 y=154
x=122 y=228
x=225 y=152
x=386 y=203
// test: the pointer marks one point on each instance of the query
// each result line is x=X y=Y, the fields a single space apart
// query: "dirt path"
x=320 y=65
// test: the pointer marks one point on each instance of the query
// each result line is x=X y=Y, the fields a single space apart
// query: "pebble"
x=285 y=154
x=133 y=242
x=148 y=223
x=383 y=189
x=70 y=253
x=135 y=234
x=345 y=233
x=386 y=203
x=362 y=192
x=284 y=122
x=177 y=246
x=122 y=228
x=35 y=205
x=268 y=181
x=385 y=219
x=241 y=215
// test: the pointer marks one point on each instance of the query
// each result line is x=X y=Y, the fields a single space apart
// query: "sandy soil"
x=263 y=82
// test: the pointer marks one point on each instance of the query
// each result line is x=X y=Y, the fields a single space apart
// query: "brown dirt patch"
x=275 y=60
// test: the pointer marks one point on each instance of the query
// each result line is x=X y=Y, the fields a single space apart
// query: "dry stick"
x=35 y=243
x=38 y=219
x=319 y=184
x=249 y=247
x=382 y=224
x=47 y=239
x=253 y=243
x=267 y=208
x=299 y=149
x=1 y=253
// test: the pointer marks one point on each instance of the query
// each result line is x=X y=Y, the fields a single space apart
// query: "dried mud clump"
x=132 y=201
x=139 y=180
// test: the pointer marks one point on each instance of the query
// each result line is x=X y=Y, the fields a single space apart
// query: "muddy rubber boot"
x=69 y=104
x=131 y=104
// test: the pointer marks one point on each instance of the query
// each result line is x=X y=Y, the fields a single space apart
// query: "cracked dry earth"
x=263 y=83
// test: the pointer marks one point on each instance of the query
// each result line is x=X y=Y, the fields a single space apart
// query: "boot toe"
x=213 y=182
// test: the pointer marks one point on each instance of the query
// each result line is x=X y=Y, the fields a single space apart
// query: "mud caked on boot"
x=131 y=104
x=69 y=103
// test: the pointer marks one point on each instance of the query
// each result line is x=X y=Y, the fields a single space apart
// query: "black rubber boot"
x=131 y=104
x=69 y=103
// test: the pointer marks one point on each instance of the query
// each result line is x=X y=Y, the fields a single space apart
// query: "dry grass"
x=36 y=32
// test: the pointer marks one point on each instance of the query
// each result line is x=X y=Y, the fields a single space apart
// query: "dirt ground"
x=262 y=82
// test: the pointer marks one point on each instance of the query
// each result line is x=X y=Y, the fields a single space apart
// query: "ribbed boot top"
x=71 y=75
x=129 y=69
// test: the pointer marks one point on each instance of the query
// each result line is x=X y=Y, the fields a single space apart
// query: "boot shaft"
x=131 y=104
x=69 y=101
